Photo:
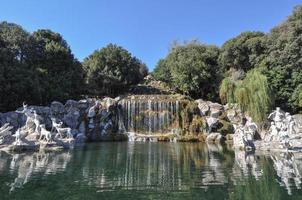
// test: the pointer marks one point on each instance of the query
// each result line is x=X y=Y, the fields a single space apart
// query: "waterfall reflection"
x=155 y=166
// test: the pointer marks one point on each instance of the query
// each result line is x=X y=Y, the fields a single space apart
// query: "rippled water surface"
x=150 y=171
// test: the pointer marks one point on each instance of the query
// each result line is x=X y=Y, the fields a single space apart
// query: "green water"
x=150 y=171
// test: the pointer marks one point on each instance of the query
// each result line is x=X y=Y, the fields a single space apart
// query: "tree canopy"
x=37 y=68
x=192 y=69
x=112 y=69
x=244 y=51
x=284 y=61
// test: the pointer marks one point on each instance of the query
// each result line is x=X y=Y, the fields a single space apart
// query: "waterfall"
x=121 y=125
x=150 y=114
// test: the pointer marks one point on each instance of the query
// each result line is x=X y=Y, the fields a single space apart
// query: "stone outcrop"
x=84 y=120
x=143 y=118
x=221 y=120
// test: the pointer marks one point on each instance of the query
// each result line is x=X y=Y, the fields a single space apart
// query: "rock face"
x=222 y=122
x=37 y=127
x=216 y=138
x=150 y=118
x=6 y=134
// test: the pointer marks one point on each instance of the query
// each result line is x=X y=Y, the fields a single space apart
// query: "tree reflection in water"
x=151 y=168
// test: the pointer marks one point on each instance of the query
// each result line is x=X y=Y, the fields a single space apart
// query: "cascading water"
x=150 y=114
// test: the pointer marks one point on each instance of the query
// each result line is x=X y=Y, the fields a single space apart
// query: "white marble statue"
x=60 y=130
x=274 y=133
x=44 y=134
x=290 y=124
x=36 y=122
x=28 y=113
x=277 y=116
x=54 y=125
x=63 y=131
x=244 y=134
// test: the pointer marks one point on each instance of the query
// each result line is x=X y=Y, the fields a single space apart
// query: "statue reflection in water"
x=288 y=167
x=26 y=165
x=168 y=166
x=247 y=163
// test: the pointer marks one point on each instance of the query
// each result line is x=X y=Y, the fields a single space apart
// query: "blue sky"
x=145 y=27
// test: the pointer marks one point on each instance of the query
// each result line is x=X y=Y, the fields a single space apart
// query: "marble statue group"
x=33 y=119
x=282 y=129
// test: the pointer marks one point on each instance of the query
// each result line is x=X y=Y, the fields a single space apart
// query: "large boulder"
x=216 y=138
x=203 y=107
x=13 y=118
x=216 y=109
x=212 y=122
x=57 y=109
x=234 y=114
x=72 y=114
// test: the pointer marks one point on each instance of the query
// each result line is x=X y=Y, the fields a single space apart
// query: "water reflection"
x=151 y=168
x=246 y=164
x=24 y=166
x=288 y=167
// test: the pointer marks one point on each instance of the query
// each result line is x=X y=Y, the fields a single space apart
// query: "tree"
x=112 y=69
x=60 y=76
x=15 y=76
x=37 y=68
x=192 y=69
x=284 y=61
x=162 y=72
x=245 y=51
x=253 y=94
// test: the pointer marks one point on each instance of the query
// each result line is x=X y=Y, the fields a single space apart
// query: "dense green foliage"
x=162 y=71
x=191 y=69
x=112 y=69
x=284 y=61
x=277 y=54
x=58 y=74
x=244 y=51
x=37 y=68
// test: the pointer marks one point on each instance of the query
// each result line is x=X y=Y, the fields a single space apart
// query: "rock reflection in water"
x=118 y=169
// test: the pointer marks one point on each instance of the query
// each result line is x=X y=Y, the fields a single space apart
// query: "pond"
x=125 y=170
